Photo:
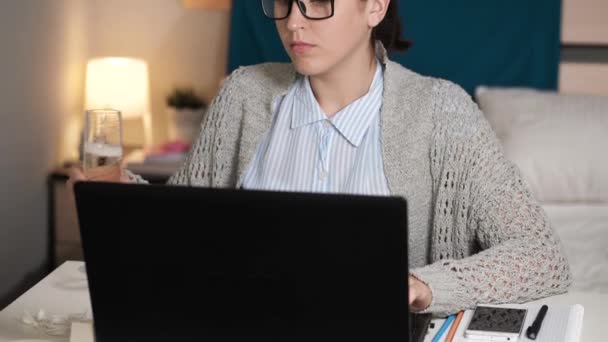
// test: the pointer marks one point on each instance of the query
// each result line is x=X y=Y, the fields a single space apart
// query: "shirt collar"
x=353 y=121
x=306 y=109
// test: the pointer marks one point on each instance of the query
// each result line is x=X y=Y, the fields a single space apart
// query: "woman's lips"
x=300 y=48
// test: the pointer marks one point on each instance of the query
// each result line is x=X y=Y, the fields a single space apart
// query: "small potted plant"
x=186 y=111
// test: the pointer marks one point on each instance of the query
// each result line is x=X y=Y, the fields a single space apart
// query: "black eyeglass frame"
x=302 y=9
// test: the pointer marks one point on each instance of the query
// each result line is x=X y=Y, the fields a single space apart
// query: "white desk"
x=65 y=291
x=594 y=319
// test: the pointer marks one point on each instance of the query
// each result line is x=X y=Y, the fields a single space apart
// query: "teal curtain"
x=470 y=42
x=253 y=37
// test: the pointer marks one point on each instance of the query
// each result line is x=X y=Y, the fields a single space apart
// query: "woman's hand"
x=76 y=175
x=101 y=174
x=420 y=295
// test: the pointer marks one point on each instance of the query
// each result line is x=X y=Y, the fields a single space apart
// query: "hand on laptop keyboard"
x=420 y=295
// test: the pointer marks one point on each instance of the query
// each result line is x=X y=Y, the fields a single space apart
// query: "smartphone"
x=496 y=324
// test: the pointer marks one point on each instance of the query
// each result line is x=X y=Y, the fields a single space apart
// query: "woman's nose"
x=296 y=20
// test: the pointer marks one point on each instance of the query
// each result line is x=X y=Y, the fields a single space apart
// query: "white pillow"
x=558 y=141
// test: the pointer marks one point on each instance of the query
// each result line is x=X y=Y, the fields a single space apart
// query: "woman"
x=344 y=118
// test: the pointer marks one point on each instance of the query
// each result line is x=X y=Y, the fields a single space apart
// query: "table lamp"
x=122 y=84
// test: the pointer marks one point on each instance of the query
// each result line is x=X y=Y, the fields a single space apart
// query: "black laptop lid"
x=212 y=264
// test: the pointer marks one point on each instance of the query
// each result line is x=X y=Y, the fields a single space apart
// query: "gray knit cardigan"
x=484 y=237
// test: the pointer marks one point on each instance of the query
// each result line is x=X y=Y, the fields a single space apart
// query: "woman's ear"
x=377 y=11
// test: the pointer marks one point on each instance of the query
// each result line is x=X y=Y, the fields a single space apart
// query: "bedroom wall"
x=45 y=48
x=584 y=67
x=182 y=46
x=584 y=21
x=42 y=53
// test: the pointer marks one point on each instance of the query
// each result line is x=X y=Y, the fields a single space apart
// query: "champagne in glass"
x=102 y=147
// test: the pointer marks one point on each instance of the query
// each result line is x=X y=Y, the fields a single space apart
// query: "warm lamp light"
x=122 y=84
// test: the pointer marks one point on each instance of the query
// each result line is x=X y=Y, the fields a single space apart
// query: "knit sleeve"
x=200 y=167
x=515 y=255
x=134 y=178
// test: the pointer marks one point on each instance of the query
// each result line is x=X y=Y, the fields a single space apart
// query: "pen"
x=454 y=327
x=533 y=330
x=443 y=328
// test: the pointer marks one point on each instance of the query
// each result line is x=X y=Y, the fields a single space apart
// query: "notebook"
x=563 y=323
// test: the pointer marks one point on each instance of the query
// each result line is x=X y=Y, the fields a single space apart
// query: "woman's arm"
x=195 y=170
x=199 y=168
x=521 y=258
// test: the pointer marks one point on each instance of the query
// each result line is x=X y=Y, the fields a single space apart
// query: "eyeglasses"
x=311 y=9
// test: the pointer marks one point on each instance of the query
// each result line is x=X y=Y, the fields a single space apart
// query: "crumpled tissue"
x=54 y=325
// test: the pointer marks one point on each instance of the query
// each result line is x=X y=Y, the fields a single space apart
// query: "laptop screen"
x=166 y=262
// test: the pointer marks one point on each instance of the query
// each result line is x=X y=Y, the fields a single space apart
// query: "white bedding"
x=583 y=229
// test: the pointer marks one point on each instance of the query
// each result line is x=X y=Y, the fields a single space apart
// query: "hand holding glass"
x=102 y=145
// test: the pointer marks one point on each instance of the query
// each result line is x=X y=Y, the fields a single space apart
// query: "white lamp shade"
x=118 y=83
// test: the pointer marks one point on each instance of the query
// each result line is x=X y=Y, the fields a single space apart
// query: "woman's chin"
x=307 y=69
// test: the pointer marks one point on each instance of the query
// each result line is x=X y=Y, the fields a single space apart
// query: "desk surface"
x=65 y=291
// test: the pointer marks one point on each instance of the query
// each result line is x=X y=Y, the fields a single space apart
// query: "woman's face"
x=317 y=46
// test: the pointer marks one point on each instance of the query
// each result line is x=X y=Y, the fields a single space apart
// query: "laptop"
x=199 y=264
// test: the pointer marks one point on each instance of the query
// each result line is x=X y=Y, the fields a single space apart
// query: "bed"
x=559 y=142
x=583 y=229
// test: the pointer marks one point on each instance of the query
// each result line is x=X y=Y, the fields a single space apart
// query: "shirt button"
x=326 y=123
x=323 y=175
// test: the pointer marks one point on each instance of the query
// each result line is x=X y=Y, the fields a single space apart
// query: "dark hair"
x=389 y=30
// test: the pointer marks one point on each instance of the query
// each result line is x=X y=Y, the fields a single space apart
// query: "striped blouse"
x=305 y=151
